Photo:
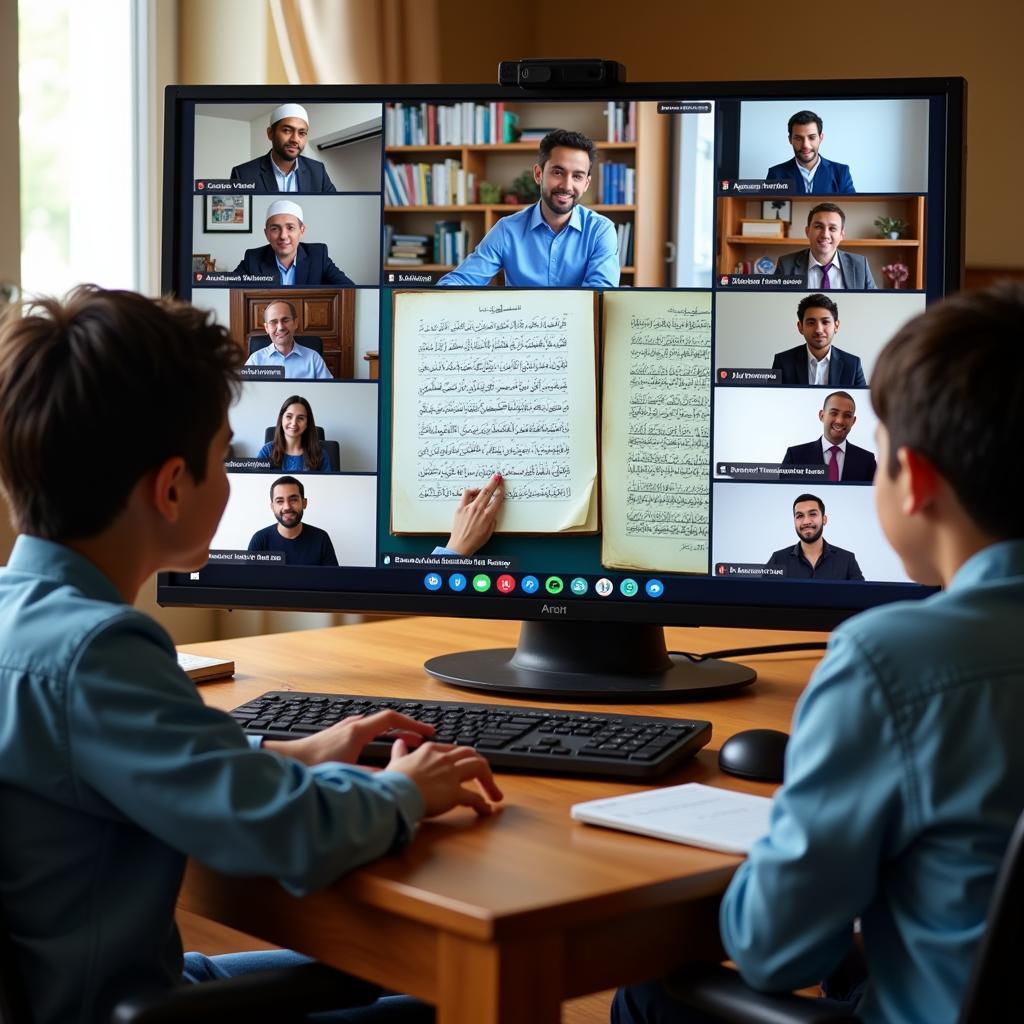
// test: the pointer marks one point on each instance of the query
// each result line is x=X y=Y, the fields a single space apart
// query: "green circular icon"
x=554 y=584
x=481 y=583
x=628 y=588
x=578 y=585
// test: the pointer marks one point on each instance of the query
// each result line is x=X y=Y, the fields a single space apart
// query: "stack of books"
x=407 y=249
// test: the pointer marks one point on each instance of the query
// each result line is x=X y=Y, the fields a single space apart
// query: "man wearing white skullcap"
x=286 y=257
x=284 y=168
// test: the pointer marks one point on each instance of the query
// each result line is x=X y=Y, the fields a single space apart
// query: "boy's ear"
x=166 y=492
x=920 y=481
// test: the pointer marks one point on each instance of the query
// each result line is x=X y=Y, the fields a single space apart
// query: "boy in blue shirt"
x=112 y=770
x=905 y=769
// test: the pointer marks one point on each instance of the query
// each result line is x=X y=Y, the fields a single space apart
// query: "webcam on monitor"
x=547 y=74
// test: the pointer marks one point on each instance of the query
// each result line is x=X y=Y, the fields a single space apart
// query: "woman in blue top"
x=296 y=445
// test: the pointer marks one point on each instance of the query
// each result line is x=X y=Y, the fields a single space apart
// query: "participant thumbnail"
x=303 y=427
x=295 y=333
x=795 y=433
x=831 y=146
x=298 y=519
x=781 y=527
x=306 y=147
x=823 y=244
x=836 y=336
x=308 y=241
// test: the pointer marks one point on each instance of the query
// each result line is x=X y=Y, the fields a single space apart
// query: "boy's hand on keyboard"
x=345 y=740
x=439 y=771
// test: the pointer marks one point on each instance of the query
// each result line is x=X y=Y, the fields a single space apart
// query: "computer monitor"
x=653 y=309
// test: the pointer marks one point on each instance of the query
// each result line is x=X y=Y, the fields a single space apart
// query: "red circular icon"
x=723 y=374
x=506 y=584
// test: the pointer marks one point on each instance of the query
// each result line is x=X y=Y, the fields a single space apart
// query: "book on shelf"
x=445 y=183
x=507 y=382
x=449 y=124
x=616 y=183
x=624 y=231
x=621 y=117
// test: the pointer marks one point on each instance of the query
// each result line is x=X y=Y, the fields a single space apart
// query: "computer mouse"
x=755 y=754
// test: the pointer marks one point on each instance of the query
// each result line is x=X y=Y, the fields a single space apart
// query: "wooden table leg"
x=499 y=983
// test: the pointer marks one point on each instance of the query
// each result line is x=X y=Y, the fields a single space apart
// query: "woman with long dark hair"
x=296 y=444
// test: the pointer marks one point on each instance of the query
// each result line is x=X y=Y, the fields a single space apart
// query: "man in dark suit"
x=812 y=557
x=290 y=261
x=823 y=266
x=284 y=169
x=846 y=462
x=810 y=172
x=818 y=361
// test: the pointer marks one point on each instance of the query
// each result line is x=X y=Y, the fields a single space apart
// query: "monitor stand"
x=591 y=661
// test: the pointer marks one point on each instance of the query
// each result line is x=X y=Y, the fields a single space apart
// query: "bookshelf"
x=861 y=234
x=644 y=146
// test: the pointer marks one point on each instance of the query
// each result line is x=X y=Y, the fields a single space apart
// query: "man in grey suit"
x=818 y=361
x=284 y=168
x=823 y=266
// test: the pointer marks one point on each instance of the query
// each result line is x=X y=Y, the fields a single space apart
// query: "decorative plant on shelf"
x=890 y=227
x=897 y=273
x=525 y=189
x=490 y=192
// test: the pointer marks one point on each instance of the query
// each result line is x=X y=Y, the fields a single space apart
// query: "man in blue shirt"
x=298 y=361
x=112 y=769
x=556 y=243
x=904 y=773
x=300 y=543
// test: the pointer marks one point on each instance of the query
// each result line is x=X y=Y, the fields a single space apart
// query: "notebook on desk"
x=694 y=814
x=201 y=669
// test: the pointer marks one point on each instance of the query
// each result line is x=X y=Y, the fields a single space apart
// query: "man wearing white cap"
x=291 y=261
x=284 y=168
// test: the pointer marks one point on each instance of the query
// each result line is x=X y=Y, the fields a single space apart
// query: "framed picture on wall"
x=228 y=213
x=201 y=262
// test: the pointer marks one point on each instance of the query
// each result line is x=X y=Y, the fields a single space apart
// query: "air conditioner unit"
x=351 y=134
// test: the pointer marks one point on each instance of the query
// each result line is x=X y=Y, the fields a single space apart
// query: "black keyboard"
x=517 y=738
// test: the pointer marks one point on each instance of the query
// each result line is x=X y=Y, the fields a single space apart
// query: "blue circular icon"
x=655 y=588
x=457 y=581
x=432 y=581
x=578 y=586
x=530 y=584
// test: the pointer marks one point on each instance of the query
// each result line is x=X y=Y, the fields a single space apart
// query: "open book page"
x=495 y=382
x=698 y=815
x=656 y=431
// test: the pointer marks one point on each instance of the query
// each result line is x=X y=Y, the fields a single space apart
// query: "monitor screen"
x=634 y=327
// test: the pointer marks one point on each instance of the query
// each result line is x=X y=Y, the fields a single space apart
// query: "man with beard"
x=810 y=172
x=301 y=543
x=299 y=362
x=845 y=461
x=812 y=557
x=291 y=261
x=284 y=168
x=556 y=242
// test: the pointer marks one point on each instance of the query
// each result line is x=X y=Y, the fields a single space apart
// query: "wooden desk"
x=498 y=919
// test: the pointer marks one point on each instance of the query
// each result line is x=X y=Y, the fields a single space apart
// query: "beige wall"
x=705 y=40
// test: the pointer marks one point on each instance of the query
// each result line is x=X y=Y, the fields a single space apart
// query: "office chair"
x=260 y=339
x=279 y=996
x=722 y=994
x=333 y=448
